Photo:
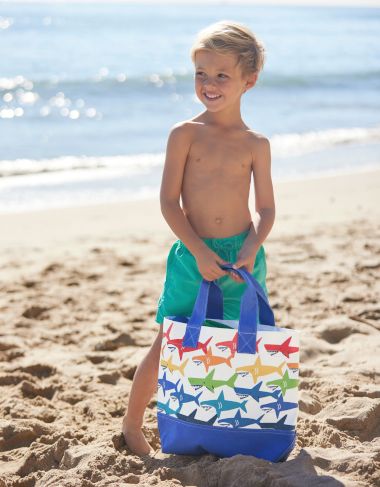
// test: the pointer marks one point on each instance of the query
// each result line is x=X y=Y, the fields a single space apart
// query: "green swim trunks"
x=183 y=278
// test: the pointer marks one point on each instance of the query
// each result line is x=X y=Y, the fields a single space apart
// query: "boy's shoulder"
x=258 y=142
x=190 y=125
x=182 y=131
x=257 y=136
x=184 y=125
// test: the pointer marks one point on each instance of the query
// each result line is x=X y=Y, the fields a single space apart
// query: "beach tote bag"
x=228 y=387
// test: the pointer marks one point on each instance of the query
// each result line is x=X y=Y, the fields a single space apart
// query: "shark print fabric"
x=215 y=386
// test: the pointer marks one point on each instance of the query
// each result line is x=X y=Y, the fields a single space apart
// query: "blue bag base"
x=188 y=438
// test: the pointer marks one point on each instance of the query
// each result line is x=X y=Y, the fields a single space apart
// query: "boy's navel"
x=218 y=220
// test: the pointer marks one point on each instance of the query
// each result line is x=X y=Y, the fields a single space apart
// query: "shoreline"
x=371 y=168
x=293 y=198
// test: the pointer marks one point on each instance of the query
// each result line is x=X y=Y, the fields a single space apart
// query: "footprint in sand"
x=38 y=370
x=35 y=312
x=126 y=263
x=334 y=330
x=44 y=457
x=121 y=340
x=109 y=377
x=31 y=390
x=53 y=267
x=12 y=379
x=20 y=433
x=356 y=416
x=366 y=266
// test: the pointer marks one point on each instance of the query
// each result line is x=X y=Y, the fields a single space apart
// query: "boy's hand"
x=208 y=265
x=245 y=258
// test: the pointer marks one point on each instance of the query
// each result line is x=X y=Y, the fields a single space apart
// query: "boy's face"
x=218 y=74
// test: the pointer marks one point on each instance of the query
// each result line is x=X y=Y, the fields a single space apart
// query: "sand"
x=79 y=289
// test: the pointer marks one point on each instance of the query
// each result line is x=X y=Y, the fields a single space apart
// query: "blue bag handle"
x=247 y=330
x=215 y=302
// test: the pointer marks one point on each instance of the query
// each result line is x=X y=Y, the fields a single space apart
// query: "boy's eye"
x=220 y=74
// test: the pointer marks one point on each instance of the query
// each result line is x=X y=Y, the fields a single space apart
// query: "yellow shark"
x=172 y=367
x=258 y=369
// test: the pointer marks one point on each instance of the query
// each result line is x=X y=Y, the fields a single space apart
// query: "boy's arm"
x=264 y=206
x=264 y=216
x=177 y=149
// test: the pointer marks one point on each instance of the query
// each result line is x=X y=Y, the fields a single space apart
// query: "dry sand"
x=79 y=289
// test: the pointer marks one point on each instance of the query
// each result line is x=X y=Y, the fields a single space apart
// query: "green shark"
x=212 y=383
x=285 y=383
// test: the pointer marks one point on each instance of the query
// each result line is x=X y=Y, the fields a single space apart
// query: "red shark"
x=232 y=345
x=284 y=348
x=177 y=342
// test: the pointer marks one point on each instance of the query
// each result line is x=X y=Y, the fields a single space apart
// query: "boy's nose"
x=208 y=82
x=210 y=87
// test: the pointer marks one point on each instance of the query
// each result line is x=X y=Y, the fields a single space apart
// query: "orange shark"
x=208 y=359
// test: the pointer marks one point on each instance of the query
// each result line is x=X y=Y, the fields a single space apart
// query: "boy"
x=209 y=161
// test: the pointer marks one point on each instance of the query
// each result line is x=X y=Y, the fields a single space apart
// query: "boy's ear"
x=251 y=81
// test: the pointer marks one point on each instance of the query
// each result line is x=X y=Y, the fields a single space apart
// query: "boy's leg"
x=144 y=385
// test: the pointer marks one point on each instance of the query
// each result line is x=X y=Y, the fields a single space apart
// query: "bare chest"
x=217 y=164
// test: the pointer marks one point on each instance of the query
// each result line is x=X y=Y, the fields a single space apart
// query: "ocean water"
x=88 y=93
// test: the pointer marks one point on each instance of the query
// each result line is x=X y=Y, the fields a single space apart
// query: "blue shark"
x=222 y=404
x=255 y=392
x=166 y=384
x=279 y=406
x=280 y=425
x=183 y=397
x=238 y=421
x=191 y=418
x=166 y=408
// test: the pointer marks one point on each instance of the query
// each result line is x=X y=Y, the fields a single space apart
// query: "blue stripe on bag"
x=188 y=438
x=210 y=300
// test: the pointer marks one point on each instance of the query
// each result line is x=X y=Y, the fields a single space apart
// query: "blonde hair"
x=230 y=37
